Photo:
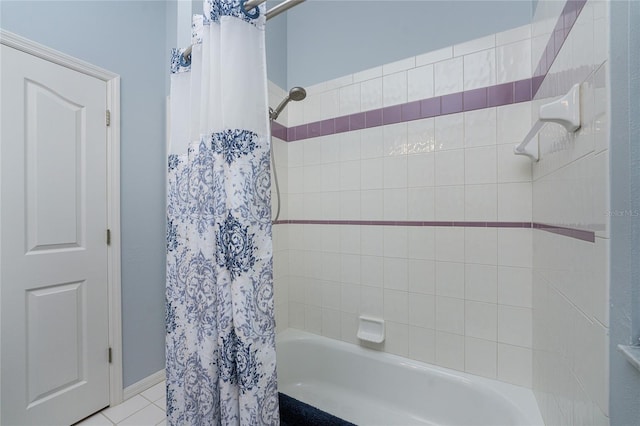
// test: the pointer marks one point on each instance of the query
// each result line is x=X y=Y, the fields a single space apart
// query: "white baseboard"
x=144 y=384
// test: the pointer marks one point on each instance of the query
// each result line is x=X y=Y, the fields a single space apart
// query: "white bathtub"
x=369 y=387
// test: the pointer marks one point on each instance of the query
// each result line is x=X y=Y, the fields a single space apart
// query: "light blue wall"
x=128 y=38
x=329 y=39
x=625 y=197
x=276 y=40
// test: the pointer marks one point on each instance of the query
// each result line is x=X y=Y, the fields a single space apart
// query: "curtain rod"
x=271 y=13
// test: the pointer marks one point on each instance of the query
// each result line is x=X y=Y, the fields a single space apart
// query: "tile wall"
x=570 y=189
x=418 y=222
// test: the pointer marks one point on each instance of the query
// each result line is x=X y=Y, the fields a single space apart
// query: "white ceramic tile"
x=480 y=357
x=481 y=203
x=312 y=108
x=480 y=165
x=349 y=205
x=349 y=99
x=450 y=279
x=480 y=69
x=422 y=276
x=514 y=122
x=350 y=239
x=396 y=274
x=512 y=168
x=515 y=286
x=422 y=310
x=371 y=301
x=350 y=298
x=329 y=104
x=371 y=94
x=450 y=350
x=515 y=365
x=421 y=203
x=367 y=74
x=295 y=154
x=162 y=423
x=395 y=241
x=296 y=315
x=422 y=344
x=481 y=245
x=350 y=175
x=95 y=420
x=331 y=295
x=313 y=319
x=475 y=45
x=371 y=173
x=421 y=136
x=312 y=177
x=513 y=35
x=161 y=403
x=331 y=323
x=514 y=325
x=350 y=268
x=449 y=167
x=420 y=83
x=372 y=142
x=480 y=127
x=514 y=247
x=371 y=272
x=148 y=416
x=420 y=170
x=348 y=327
x=372 y=239
x=395 y=139
x=514 y=202
x=330 y=177
x=350 y=146
x=372 y=204
x=449 y=203
x=313 y=151
x=121 y=411
x=395 y=171
x=481 y=320
x=481 y=283
x=448 y=76
x=434 y=56
x=396 y=338
x=396 y=306
x=449 y=245
x=421 y=243
x=513 y=61
x=449 y=132
x=450 y=315
x=394 y=89
x=397 y=66
x=155 y=392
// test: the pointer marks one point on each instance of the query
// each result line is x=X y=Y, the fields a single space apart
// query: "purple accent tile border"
x=465 y=224
x=567 y=18
x=491 y=96
x=579 y=234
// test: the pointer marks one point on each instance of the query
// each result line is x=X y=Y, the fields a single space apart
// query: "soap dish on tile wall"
x=564 y=111
x=371 y=329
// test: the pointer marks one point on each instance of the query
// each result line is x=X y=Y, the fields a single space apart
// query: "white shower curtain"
x=220 y=346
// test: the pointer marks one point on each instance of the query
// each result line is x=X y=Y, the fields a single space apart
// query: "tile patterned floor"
x=145 y=409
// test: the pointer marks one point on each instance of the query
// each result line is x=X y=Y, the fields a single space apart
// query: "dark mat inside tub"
x=297 y=413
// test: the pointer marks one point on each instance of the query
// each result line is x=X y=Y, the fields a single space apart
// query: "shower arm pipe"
x=271 y=13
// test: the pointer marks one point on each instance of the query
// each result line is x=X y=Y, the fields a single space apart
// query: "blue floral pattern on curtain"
x=220 y=349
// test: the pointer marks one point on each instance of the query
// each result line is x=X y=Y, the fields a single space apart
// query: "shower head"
x=295 y=94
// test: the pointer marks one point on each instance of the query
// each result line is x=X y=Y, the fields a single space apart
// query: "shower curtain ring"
x=251 y=13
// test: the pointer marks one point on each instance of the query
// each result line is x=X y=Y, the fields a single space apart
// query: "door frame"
x=112 y=81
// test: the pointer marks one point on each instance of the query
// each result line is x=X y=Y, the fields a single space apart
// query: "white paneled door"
x=53 y=255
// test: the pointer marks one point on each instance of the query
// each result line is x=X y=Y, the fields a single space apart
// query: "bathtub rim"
x=522 y=399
